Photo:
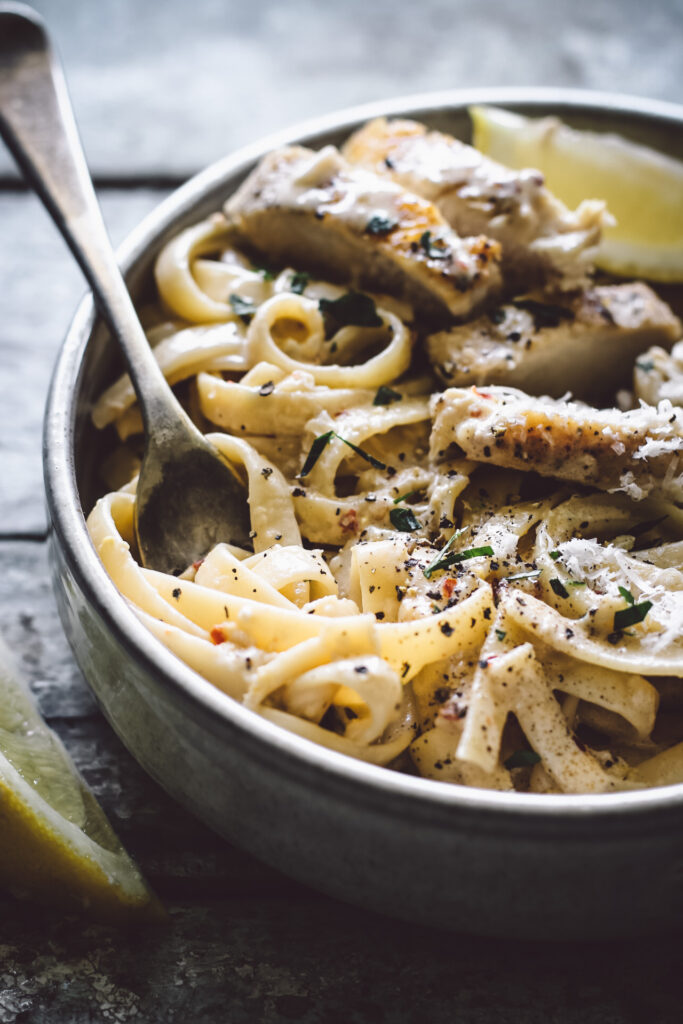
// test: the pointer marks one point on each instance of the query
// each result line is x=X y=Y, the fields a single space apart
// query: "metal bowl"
x=491 y=863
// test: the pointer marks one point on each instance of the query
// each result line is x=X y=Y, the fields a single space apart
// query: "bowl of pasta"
x=445 y=680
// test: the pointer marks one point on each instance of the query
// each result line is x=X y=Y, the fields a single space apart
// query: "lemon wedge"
x=643 y=189
x=56 y=845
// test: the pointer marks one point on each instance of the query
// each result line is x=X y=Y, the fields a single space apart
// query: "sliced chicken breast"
x=315 y=211
x=544 y=243
x=638 y=452
x=584 y=343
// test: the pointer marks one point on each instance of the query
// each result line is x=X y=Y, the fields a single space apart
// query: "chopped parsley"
x=645 y=364
x=380 y=224
x=559 y=588
x=501 y=634
x=298 y=281
x=404 y=519
x=435 y=250
x=576 y=583
x=364 y=455
x=320 y=444
x=244 y=308
x=459 y=556
x=497 y=316
x=385 y=396
x=463 y=556
x=354 y=309
x=522 y=758
x=441 y=560
x=265 y=272
x=631 y=615
x=408 y=494
x=627 y=595
x=525 y=575
x=316 y=450
x=554 y=555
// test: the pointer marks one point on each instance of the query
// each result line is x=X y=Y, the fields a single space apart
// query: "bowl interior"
x=90 y=361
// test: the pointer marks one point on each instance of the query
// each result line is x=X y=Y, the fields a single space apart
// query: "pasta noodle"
x=408 y=601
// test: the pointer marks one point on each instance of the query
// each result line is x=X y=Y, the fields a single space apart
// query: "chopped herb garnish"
x=576 y=583
x=501 y=634
x=321 y=442
x=316 y=450
x=524 y=575
x=385 y=396
x=522 y=759
x=404 y=519
x=408 y=494
x=265 y=272
x=645 y=364
x=630 y=616
x=441 y=560
x=554 y=555
x=559 y=588
x=435 y=250
x=627 y=595
x=244 y=308
x=463 y=556
x=497 y=316
x=380 y=224
x=364 y=455
x=351 y=310
x=298 y=281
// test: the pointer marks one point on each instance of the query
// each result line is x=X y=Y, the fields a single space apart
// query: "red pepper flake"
x=195 y=565
x=449 y=587
x=349 y=521
x=216 y=635
x=481 y=394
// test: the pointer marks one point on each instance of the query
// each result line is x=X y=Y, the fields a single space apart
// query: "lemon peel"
x=56 y=845
x=643 y=188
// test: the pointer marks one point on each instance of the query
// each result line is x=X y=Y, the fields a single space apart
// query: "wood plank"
x=319 y=961
x=41 y=288
x=170 y=87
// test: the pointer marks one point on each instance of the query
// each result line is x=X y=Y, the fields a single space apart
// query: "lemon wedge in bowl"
x=643 y=188
x=56 y=845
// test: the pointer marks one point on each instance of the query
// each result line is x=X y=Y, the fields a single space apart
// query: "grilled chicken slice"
x=314 y=211
x=638 y=452
x=584 y=343
x=659 y=375
x=544 y=243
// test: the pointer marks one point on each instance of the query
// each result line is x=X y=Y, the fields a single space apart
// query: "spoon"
x=188 y=498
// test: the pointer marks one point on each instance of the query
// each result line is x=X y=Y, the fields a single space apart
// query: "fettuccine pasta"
x=412 y=598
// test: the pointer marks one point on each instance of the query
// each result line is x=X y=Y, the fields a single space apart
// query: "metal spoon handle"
x=38 y=126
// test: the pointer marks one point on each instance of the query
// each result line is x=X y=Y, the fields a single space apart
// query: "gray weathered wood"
x=170 y=87
x=41 y=286
x=319 y=962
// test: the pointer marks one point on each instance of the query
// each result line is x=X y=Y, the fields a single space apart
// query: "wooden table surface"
x=161 y=89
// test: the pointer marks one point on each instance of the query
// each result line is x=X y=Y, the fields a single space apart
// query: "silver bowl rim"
x=385 y=790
